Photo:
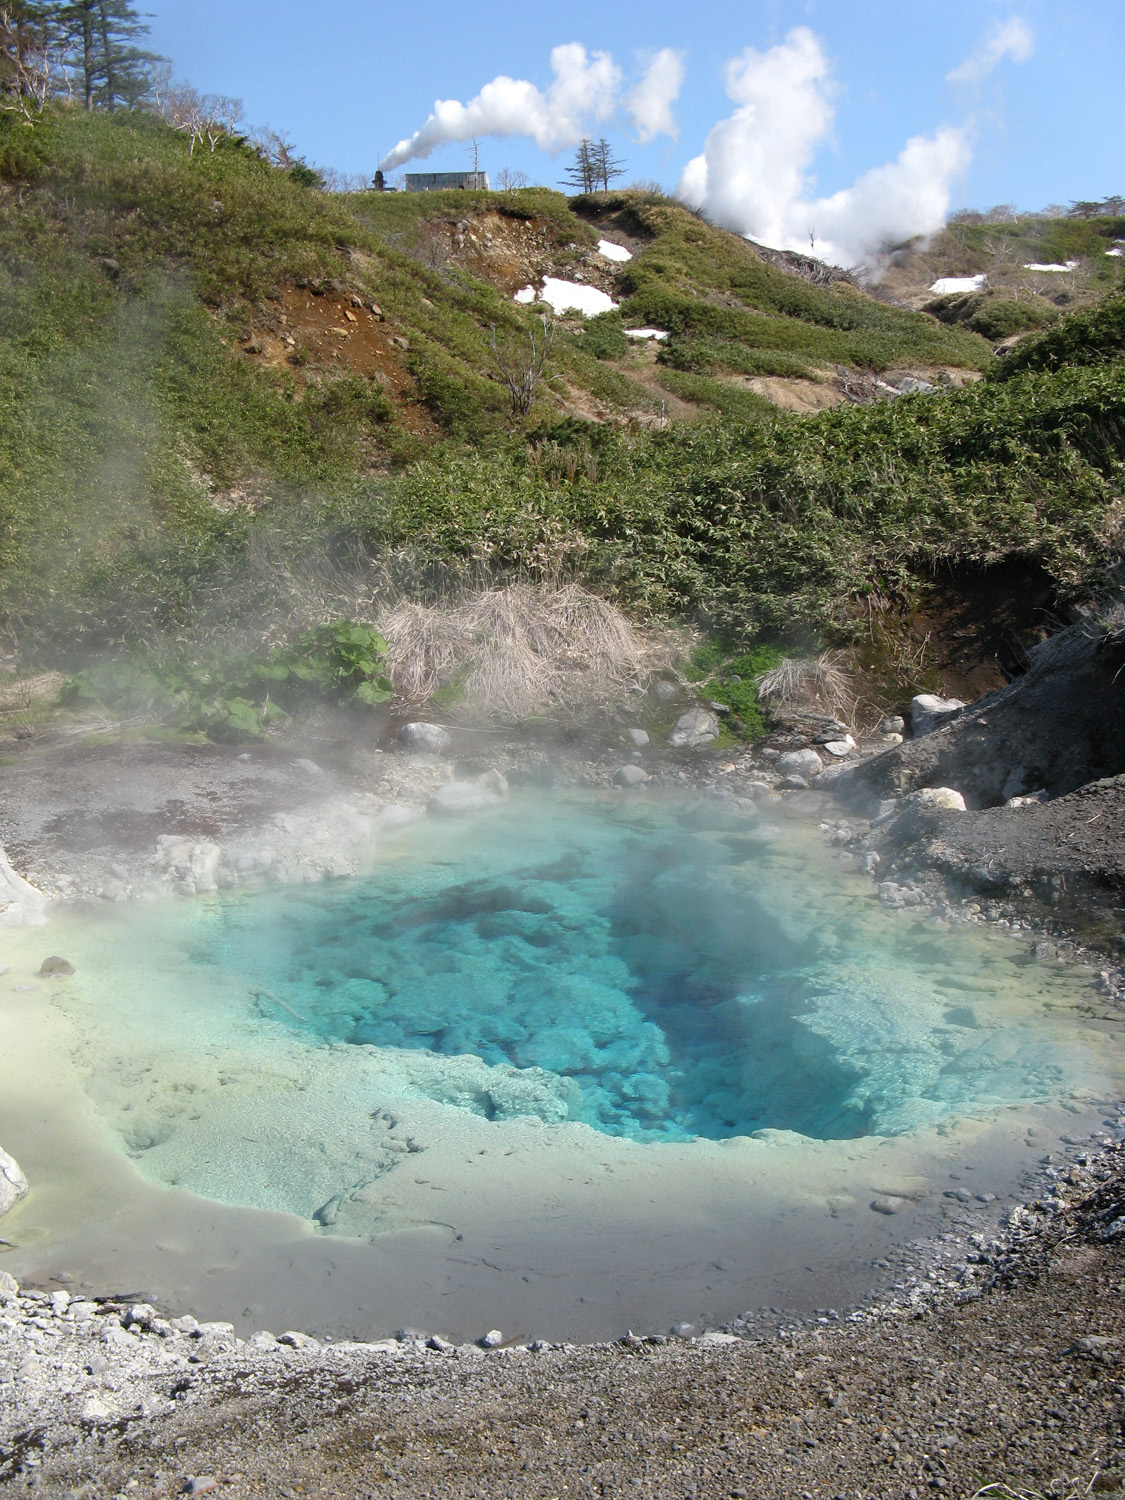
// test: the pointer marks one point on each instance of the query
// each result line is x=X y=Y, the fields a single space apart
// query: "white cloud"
x=752 y=173
x=650 y=101
x=584 y=90
x=1012 y=38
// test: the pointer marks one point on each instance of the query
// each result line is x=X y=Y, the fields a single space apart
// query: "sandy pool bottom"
x=215 y=1142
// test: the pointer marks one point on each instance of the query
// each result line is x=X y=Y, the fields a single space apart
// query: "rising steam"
x=585 y=92
x=751 y=175
x=650 y=101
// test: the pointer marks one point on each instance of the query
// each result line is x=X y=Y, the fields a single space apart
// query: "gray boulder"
x=804 y=763
x=13 y=1184
x=892 y=724
x=637 y=737
x=494 y=781
x=424 y=739
x=941 y=798
x=21 y=905
x=457 y=797
x=630 y=776
x=928 y=712
x=696 y=728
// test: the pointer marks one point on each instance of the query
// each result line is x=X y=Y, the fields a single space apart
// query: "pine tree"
x=605 y=167
x=581 y=174
x=104 y=34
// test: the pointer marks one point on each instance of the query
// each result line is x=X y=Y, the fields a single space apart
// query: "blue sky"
x=347 y=79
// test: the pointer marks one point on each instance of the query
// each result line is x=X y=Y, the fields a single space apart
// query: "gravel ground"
x=1012 y=1372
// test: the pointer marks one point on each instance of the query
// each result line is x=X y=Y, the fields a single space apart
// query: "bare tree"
x=202 y=117
x=520 y=363
x=510 y=182
x=36 y=62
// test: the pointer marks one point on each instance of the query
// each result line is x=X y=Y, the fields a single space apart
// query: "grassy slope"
x=730 y=311
x=130 y=272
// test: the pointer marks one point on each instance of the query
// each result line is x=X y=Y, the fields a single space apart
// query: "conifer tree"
x=604 y=166
x=103 y=34
x=581 y=173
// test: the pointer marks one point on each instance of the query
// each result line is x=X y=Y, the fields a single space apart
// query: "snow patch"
x=1117 y=250
x=614 y=252
x=646 y=333
x=570 y=296
x=525 y=294
x=947 y=286
x=1071 y=265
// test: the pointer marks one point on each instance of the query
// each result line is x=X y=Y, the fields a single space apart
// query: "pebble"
x=492 y=1339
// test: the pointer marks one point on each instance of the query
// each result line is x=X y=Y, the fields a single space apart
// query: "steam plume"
x=751 y=175
x=1012 y=38
x=650 y=101
x=584 y=89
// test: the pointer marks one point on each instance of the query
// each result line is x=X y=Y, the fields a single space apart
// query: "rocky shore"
x=1009 y=1368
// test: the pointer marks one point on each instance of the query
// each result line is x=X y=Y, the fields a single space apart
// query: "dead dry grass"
x=516 y=649
x=810 y=684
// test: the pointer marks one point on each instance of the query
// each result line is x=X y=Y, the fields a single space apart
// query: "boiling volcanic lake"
x=580 y=1064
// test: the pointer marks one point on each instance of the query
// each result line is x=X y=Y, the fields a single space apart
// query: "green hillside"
x=215 y=376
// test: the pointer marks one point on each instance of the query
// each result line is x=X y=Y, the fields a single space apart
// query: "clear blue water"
x=671 y=973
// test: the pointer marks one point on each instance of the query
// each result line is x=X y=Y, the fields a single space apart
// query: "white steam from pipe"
x=752 y=173
x=584 y=90
x=1012 y=38
x=650 y=101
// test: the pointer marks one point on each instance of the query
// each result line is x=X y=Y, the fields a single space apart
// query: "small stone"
x=9 y=1287
x=494 y=781
x=442 y=1346
x=200 y=1484
x=637 y=737
x=841 y=747
x=55 y=968
x=630 y=776
x=492 y=1339
x=683 y=1330
x=893 y=724
x=425 y=739
x=890 y=1204
x=310 y=767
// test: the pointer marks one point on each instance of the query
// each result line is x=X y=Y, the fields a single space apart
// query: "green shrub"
x=1000 y=317
x=1093 y=336
x=727 y=675
x=241 y=696
x=604 y=337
